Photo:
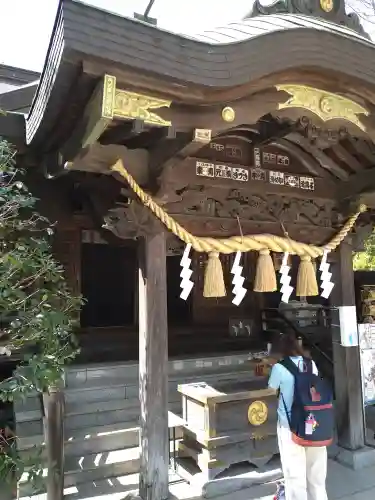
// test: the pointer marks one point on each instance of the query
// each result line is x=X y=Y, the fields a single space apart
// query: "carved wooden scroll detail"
x=230 y=203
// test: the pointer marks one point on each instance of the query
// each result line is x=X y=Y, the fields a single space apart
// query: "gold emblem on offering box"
x=326 y=5
x=257 y=413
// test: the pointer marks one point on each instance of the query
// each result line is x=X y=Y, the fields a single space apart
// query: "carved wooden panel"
x=239 y=149
x=200 y=174
x=67 y=251
x=230 y=149
x=231 y=203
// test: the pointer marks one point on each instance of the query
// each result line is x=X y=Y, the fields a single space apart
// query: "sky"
x=26 y=25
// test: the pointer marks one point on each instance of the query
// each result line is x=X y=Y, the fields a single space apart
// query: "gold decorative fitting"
x=326 y=5
x=228 y=114
x=257 y=413
x=324 y=104
x=118 y=103
x=109 y=89
x=138 y=106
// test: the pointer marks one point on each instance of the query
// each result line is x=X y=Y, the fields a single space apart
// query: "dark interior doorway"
x=108 y=285
x=179 y=311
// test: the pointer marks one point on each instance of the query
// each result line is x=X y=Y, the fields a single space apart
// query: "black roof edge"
x=19 y=98
x=17 y=76
x=83 y=32
x=12 y=128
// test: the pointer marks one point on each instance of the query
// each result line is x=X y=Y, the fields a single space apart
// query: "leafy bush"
x=37 y=310
x=366 y=260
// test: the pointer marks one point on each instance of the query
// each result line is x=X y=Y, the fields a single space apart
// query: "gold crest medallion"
x=257 y=413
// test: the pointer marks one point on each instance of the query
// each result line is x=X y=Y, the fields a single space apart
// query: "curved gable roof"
x=264 y=25
x=232 y=56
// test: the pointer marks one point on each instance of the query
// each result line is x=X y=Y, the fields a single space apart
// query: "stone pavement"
x=342 y=484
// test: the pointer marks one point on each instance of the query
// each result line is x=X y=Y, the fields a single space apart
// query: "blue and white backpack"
x=311 y=419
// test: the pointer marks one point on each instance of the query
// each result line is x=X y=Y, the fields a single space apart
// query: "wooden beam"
x=98 y=159
x=307 y=160
x=96 y=117
x=362 y=147
x=153 y=368
x=347 y=368
x=344 y=155
x=358 y=184
x=221 y=227
x=183 y=173
x=325 y=161
x=245 y=110
x=200 y=138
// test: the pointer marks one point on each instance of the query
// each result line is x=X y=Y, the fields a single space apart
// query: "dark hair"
x=288 y=345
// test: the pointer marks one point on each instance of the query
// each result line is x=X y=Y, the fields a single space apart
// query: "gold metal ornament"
x=138 y=106
x=228 y=114
x=326 y=105
x=326 y=5
x=257 y=413
x=124 y=104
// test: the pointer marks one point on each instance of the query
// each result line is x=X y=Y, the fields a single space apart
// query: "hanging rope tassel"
x=265 y=275
x=214 y=285
x=314 y=264
x=307 y=285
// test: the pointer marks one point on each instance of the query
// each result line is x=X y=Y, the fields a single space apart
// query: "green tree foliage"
x=366 y=260
x=37 y=309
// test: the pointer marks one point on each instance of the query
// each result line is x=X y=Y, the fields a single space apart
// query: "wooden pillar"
x=153 y=367
x=54 y=406
x=347 y=368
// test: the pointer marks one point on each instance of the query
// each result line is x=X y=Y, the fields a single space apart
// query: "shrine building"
x=200 y=186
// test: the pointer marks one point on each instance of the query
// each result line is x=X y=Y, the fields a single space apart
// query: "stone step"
x=76 y=435
x=30 y=422
x=94 y=467
x=90 y=399
x=131 y=388
x=85 y=421
x=112 y=488
x=30 y=408
x=100 y=374
x=101 y=442
x=83 y=424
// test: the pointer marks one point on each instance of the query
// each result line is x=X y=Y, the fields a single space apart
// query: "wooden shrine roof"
x=266 y=25
x=190 y=81
x=218 y=65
